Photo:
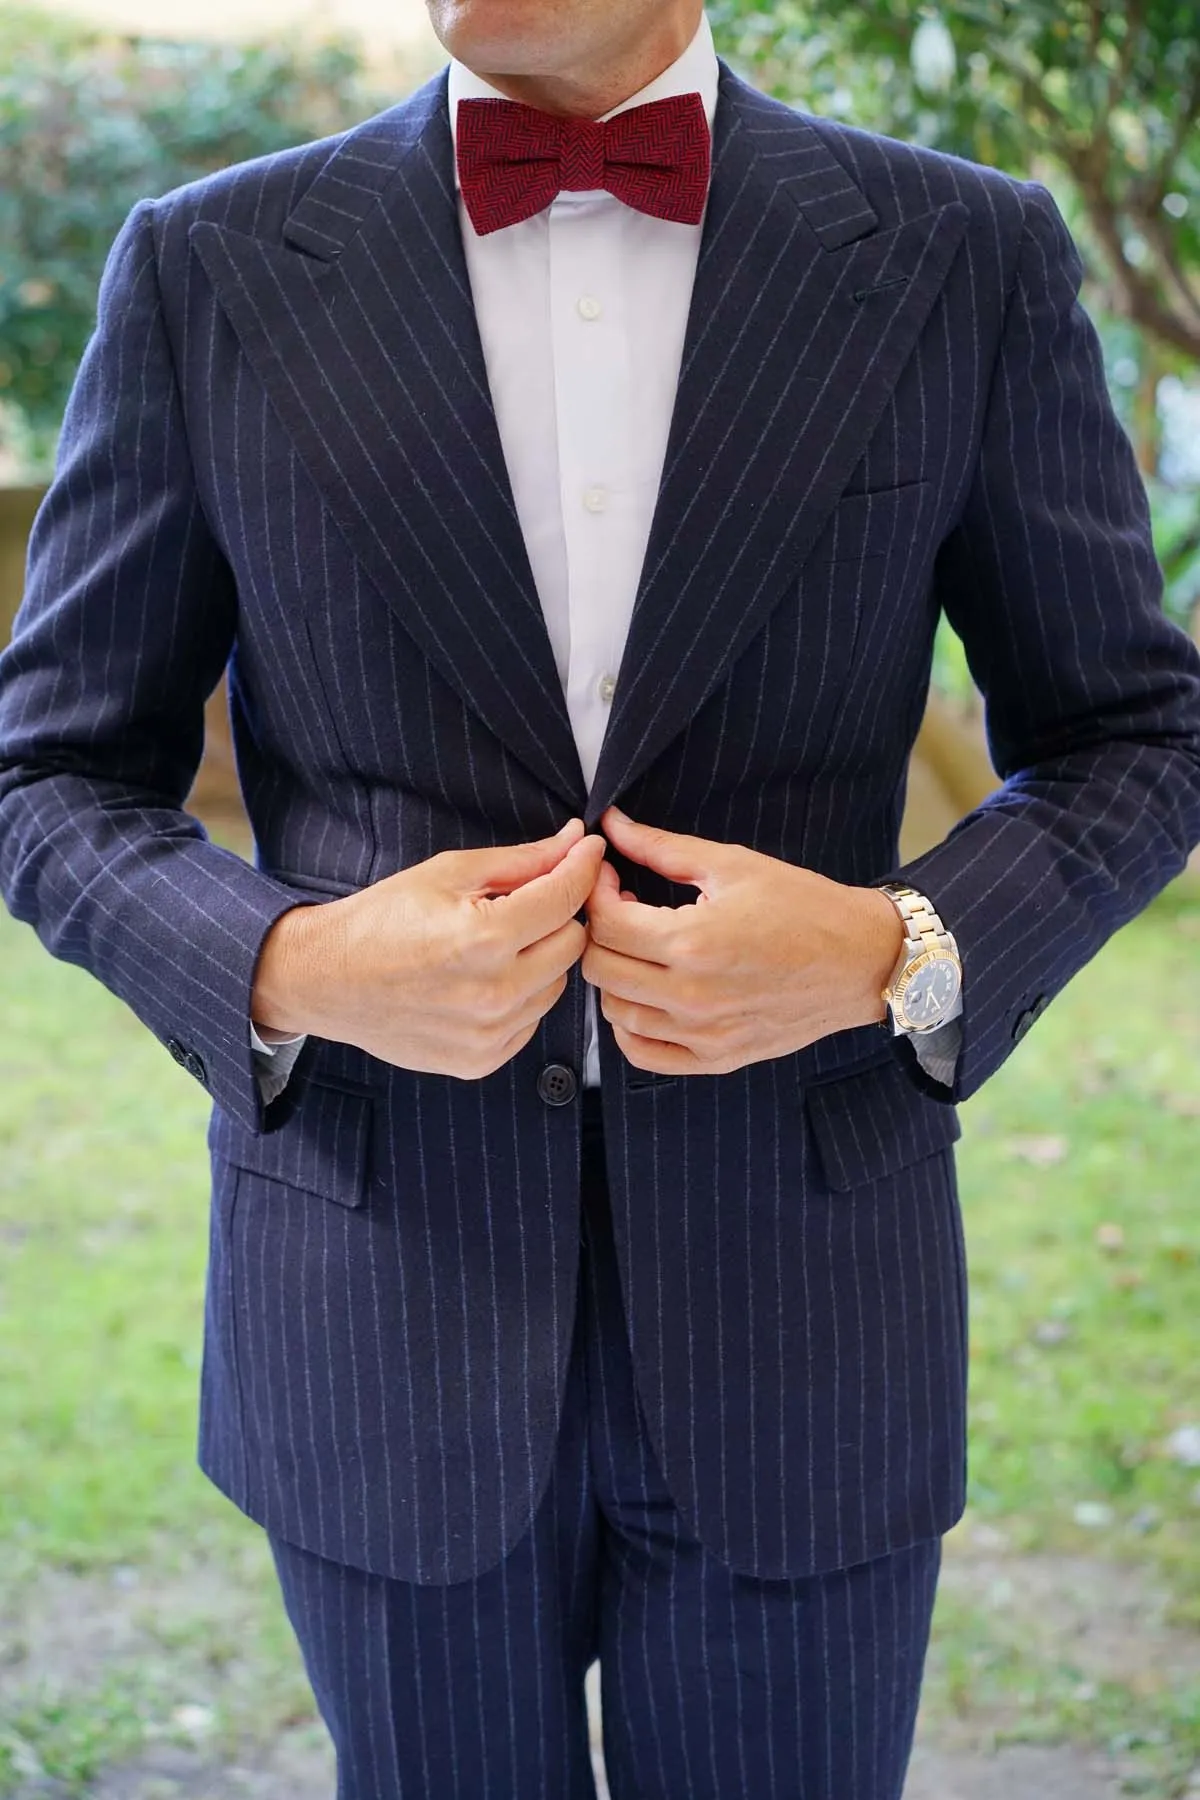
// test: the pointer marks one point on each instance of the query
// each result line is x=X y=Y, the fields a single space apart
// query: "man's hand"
x=770 y=958
x=447 y=968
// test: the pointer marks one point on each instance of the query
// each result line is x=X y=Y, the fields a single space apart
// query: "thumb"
x=500 y=869
x=697 y=862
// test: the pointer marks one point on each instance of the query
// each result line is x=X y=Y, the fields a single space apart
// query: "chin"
x=516 y=37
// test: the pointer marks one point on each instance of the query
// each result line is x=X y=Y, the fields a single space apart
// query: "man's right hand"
x=447 y=968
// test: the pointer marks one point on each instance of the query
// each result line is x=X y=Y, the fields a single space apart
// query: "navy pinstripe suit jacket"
x=281 y=448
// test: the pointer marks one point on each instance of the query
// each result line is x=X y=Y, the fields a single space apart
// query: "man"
x=526 y=465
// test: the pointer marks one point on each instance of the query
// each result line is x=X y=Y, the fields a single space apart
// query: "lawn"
x=1080 y=1186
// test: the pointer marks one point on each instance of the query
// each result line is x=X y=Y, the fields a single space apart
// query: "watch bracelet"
x=923 y=931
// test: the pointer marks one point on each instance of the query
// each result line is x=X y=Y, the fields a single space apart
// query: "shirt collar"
x=696 y=72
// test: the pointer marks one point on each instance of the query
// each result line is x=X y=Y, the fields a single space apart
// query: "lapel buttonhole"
x=881 y=287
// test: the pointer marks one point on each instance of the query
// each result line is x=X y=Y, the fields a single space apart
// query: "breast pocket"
x=883 y=524
x=848 y=598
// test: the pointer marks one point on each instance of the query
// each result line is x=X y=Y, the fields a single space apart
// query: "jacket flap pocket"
x=874 y=524
x=323 y=1148
x=871 y=1124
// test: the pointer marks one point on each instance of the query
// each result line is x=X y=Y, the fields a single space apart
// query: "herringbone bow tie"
x=513 y=160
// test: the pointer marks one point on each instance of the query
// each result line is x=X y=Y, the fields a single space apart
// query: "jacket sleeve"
x=126 y=625
x=1092 y=696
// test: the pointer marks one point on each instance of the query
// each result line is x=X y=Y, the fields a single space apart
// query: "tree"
x=90 y=124
x=1109 y=95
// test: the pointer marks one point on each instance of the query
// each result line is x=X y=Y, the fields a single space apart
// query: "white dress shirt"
x=582 y=313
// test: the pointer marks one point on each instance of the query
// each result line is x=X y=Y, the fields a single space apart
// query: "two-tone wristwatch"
x=925 y=991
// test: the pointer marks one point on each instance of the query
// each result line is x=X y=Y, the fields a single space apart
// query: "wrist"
x=880 y=942
x=281 y=998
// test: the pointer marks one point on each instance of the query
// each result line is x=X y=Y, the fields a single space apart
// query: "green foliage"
x=88 y=126
x=1101 y=102
x=1177 y=537
x=1110 y=95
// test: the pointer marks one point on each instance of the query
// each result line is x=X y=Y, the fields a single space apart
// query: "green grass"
x=103 y=1234
x=1080 y=1184
x=1081 y=1191
x=984 y=1669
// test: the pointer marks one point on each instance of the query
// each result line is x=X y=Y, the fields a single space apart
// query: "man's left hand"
x=770 y=958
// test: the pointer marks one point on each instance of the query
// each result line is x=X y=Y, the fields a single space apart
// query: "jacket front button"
x=557 y=1084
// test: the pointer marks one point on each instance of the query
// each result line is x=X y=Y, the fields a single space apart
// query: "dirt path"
x=301 y=1770
x=186 y=1638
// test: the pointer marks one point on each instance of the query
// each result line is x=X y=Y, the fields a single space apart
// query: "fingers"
x=648 y=1022
x=506 y=866
x=539 y=1004
x=619 y=922
x=610 y=882
x=516 y=1044
x=659 y=1058
x=524 y=1027
x=630 y=977
x=552 y=956
x=546 y=902
x=695 y=861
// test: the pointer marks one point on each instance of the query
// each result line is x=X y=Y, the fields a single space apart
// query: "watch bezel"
x=894 y=995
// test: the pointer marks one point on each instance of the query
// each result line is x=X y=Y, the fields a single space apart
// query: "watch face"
x=931 y=993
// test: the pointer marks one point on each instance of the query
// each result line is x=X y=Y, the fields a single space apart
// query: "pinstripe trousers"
x=716 y=1686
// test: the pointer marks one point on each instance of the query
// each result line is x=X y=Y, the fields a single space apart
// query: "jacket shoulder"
x=257 y=197
x=901 y=180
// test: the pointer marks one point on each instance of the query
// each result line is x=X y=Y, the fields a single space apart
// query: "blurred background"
x=143 y=1653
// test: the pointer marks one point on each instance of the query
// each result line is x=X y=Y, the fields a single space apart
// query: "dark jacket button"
x=557 y=1084
x=1029 y=1018
x=177 y=1051
x=195 y=1066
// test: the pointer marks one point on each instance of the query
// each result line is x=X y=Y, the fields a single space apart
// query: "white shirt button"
x=590 y=308
x=606 y=687
x=595 y=499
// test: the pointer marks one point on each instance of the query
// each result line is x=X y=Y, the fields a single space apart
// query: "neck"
x=590 y=92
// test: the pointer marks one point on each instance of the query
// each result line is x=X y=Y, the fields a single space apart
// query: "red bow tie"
x=513 y=160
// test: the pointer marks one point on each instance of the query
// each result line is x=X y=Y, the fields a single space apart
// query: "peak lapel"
x=803 y=317
x=362 y=330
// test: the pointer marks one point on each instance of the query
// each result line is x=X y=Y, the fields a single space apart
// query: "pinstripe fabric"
x=282 y=447
x=715 y=1685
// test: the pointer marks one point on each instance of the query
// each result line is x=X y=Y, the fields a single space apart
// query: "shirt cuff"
x=273 y=1063
x=938 y=1051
